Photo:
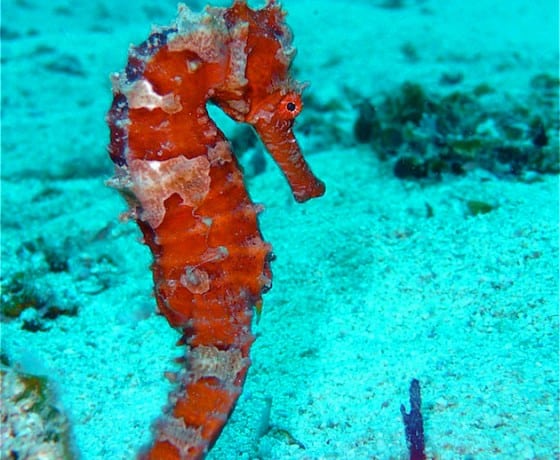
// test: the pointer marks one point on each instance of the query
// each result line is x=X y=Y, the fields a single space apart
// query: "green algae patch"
x=426 y=135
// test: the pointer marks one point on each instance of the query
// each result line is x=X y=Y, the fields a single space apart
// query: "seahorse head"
x=267 y=97
x=237 y=58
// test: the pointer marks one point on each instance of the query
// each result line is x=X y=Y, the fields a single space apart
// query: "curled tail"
x=199 y=408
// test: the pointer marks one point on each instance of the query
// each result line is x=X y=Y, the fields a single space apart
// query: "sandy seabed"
x=370 y=290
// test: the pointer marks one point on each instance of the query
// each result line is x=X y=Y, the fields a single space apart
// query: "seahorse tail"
x=207 y=391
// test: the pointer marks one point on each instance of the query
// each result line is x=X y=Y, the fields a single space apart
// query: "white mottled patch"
x=175 y=432
x=208 y=361
x=195 y=280
x=220 y=153
x=200 y=33
x=193 y=65
x=238 y=56
x=152 y=182
x=141 y=95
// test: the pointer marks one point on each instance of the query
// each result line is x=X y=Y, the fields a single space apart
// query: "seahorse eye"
x=290 y=106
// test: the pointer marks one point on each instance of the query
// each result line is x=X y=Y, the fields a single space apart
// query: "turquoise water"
x=432 y=256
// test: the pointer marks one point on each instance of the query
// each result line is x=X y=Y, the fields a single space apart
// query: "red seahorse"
x=185 y=190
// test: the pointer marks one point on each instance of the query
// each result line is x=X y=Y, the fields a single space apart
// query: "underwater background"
x=432 y=256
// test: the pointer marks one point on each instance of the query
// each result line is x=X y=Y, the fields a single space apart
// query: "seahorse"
x=185 y=190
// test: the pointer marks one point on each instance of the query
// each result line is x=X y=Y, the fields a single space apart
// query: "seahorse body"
x=185 y=190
